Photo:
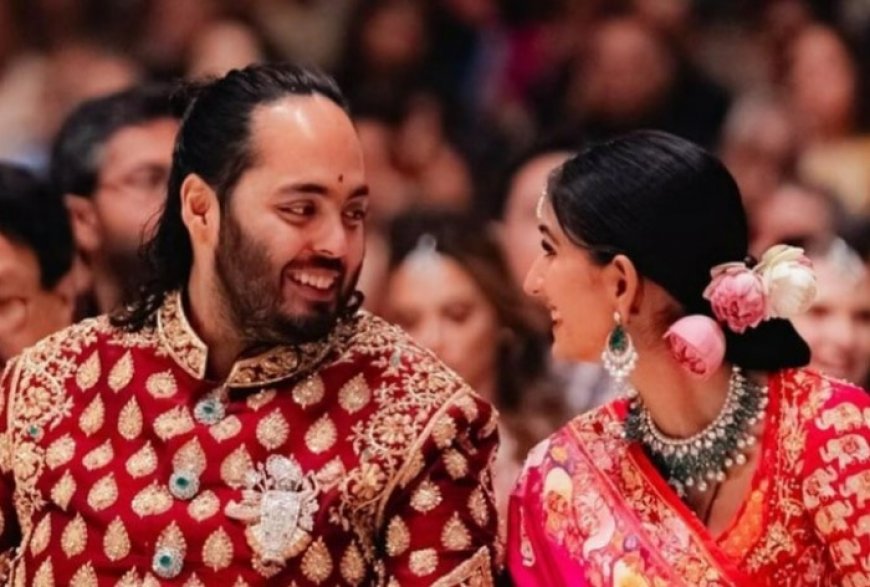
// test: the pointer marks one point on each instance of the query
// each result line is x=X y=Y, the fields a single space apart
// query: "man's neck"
x=211 y=321
x=106 y=290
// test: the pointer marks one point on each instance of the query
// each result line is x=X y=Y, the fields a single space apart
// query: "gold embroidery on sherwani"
x=226 y=428
x=309 y=391
x=398 y=537
x=193 y=581
x=41 y=536
x=355 y=394
x=317 y=562
x=44 y=576
x=477 y=505
x=84 y=577
x=240 y=583
x=130 y=579
x=153 y=500
x=321 y=436
x=456 y=464
x=150 y=581
x=130 y=420
x=217 y=552
x=444 y=431
x=161 y=385
x=424 y=562
x=475 y=572
x=88 y=373
x=353 y=567
x=60 y=452
x=173 y=422
x=122 y=373
x=99 y=457
x=63 y=490
x=173 y=538
x=426 y=498
x=331 y=473
x=204 y=506
x=273 y=430
x=74 y=537
x=190 y=457
x=142 y=462
x=260 y=399
x=92 y=417
x=235 y=467
x=116 y=542
x=455 y=535
x=104 y=493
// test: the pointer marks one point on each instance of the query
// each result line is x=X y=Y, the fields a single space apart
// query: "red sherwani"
x=358 y=460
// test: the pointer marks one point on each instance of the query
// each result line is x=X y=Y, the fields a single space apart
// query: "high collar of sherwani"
x=276 y=364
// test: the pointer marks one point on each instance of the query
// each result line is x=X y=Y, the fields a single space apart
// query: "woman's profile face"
x=435 y=299
x=570 y=285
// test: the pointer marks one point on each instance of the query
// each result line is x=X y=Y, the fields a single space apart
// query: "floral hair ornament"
x=743 y=295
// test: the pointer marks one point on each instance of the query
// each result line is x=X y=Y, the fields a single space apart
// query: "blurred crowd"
x=463 y=108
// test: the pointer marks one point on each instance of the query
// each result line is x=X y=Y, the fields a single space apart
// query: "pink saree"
x=591 y=509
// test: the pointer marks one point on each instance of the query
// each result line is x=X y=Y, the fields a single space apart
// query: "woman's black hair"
x=675 y=211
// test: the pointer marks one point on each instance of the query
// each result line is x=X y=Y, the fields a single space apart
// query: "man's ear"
x=86 y=228
x=200 y=210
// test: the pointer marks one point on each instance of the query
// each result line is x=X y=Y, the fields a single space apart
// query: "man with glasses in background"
x=110 y=162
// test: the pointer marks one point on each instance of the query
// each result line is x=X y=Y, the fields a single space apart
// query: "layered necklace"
x=706 y=457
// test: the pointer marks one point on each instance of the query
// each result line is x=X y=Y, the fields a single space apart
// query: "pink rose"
x=737 y=296
x=697 y=343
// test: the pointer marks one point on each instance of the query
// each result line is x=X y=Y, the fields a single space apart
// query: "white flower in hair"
x=789 y=281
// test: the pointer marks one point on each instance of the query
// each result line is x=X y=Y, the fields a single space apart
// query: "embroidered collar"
x=276 y=364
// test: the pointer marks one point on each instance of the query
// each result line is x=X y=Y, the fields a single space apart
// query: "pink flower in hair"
x=697 y=344
x=737 y=296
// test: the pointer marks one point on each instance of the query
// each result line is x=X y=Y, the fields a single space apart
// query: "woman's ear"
x=624 y=284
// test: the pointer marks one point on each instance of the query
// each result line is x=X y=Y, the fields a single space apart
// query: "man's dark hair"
x=75 y=157
x=33 y=217
x=214 y=143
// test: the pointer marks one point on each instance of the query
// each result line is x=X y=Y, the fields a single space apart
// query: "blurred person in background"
x=837 y=325
x=758 y=146
x=37 y=293
x=450 y=289
x=822 y=85
x=385 y=51
x=796 y=213
x=111 y=163
x=223 y=45
x=606 y=95
x=583 y=386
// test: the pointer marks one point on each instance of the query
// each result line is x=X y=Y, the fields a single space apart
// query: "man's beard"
x=254 y=298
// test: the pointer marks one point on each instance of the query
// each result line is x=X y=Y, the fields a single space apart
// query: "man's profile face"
x=131 y=188
x=292 y=235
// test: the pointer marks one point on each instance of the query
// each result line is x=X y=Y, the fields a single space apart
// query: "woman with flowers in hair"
x=727 y=462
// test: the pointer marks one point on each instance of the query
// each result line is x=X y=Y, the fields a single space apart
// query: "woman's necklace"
x=706 y=456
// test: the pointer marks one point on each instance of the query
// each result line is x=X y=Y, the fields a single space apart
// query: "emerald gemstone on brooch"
x=167 y=562
x=209 y=410
x=183 y=484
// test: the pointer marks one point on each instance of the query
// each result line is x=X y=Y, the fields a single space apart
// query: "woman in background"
x=450 y=288
x=727 y=464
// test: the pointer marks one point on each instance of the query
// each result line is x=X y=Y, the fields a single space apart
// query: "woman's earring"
x=620 y=357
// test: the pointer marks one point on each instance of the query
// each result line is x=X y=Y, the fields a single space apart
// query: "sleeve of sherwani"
x=10 y=535
x=836 y=482
x=440 y=520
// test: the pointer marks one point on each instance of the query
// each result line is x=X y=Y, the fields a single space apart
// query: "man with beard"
x=110 y=163
x=241 y=422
